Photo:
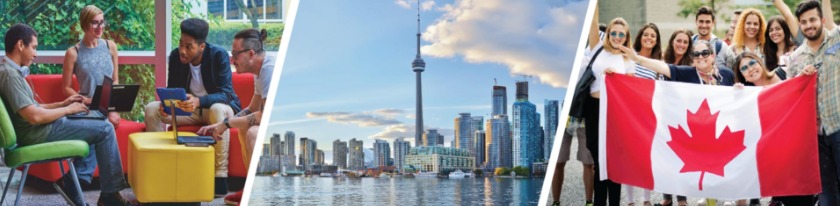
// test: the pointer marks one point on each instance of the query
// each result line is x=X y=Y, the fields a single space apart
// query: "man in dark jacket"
x=203 y=71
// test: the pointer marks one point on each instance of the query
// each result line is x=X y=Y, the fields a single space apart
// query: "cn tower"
x=419 y=66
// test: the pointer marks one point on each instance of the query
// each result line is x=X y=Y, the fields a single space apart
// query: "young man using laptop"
x=248 y=56
x=203 y=71
x=38 y=123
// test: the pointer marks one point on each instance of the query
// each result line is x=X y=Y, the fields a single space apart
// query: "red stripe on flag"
x=787 y=156
x=631 y=125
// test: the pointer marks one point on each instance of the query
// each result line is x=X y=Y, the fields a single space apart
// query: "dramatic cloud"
x=537 y=38
x=361 y=119
x=425 y=5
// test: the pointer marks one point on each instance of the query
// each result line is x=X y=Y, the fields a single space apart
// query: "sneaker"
x=233 y=199
x=588 y=203
x=701 y=202
x=65 y=187
x=221 y=186
x=112 y=199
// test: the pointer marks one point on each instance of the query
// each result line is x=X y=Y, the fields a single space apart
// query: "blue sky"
x=348 y=66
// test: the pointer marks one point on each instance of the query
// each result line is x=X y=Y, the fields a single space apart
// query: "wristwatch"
x=227 y=123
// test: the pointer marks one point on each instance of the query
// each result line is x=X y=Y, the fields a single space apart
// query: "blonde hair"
x=607 y=40
x=740 y=35
x=87 y=15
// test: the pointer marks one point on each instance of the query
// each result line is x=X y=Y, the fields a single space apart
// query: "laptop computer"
x=196 y=141
x=126 y=92
x=98 y=108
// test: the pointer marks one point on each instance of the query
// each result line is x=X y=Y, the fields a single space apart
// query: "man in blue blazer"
x=203 y=70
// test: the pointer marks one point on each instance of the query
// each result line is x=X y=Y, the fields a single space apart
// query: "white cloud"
x=389 y=112
x=529 y=37
x=361 y=119
x=408 y=4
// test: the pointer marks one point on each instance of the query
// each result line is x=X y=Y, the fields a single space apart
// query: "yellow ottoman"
x=160 y=170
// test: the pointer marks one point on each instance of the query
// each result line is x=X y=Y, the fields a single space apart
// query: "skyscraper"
x=418 y=65
x=499 y=100
x=499 y=144
x=290 y=146
x=401 y=148
x=356 y=159
x=275 y=148
x=340 y=154
x=526 y=129
x=382 y=152
x=478 y=123
x=480 y=148
x=464 y=133
x=432 y=138
x=319 y=157
x=307 y=152
x=551 y=121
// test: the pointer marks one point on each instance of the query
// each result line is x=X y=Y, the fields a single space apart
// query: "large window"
x=263 y=10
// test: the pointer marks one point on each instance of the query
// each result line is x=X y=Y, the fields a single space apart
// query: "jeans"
x=829 y=148
x=103 y=140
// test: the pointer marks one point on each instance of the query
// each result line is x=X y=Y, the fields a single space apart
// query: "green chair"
x=16 y=156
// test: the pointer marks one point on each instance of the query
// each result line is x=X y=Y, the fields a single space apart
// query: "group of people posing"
x=203 y=70
x=760 y=52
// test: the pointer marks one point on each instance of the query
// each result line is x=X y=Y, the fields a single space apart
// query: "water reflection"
x=394 y=191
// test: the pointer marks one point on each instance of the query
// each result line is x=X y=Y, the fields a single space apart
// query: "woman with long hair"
x=748 y=36
x=610 y=58
x=678 y=46
x=779 y=47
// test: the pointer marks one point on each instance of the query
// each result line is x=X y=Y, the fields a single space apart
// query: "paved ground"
x=573 y=189
x=35 y=194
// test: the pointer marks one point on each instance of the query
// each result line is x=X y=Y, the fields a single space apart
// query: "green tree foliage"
x=522 y=171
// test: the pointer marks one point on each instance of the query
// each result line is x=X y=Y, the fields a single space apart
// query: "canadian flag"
x=710 y=141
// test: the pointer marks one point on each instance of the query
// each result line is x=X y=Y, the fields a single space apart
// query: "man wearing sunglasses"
x=703 y=70
x=203 y=70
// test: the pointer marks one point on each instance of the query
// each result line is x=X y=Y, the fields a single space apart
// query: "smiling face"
x=750 y=69
x=701 y=62
x=811 y=24
x=777 y=35
x=752 y=26
x=648 y=38
x=681 y=44
x=617 y=35
x=704 y=24
x=96 y=26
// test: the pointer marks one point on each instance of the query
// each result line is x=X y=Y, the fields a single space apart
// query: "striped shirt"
x=645 y=72
x=828 y=81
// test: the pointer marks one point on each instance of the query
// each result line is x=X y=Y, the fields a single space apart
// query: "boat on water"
x=384 y=175
x=457 y=174
x=469 y=174
x=325 y=174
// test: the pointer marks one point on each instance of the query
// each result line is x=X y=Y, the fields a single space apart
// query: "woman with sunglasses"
x=677 y=52
x=703 y=70
x=748 y=36
x=610 y=58
x=92 y=59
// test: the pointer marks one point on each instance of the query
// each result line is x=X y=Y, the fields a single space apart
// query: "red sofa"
x=47 y=89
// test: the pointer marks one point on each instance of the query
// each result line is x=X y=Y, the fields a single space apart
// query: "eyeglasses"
x=704 y=53
x=236 y=53
x=98 y=24
x=748 y=65
x=617 y=34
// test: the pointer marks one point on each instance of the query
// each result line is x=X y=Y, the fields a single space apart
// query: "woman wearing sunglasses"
x=677 y=52
x=751 y=70
x=703 y=70
x=748 y=36
x=610 y=58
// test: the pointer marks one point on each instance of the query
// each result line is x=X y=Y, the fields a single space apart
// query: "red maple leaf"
x=701 y=151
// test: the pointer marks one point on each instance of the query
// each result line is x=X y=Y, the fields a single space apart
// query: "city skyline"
x=363 y=88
